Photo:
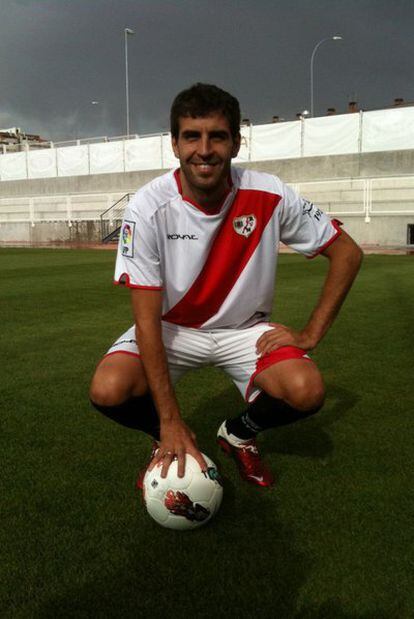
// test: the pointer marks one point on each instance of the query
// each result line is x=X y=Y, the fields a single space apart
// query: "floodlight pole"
x=336 y=37
x=127 y=31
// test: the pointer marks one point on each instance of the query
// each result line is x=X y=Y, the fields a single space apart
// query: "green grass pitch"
x=334 y=538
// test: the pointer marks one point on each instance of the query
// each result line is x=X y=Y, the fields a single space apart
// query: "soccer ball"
x=187 y=502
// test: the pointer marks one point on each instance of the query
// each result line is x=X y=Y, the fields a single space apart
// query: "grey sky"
x=56 y=56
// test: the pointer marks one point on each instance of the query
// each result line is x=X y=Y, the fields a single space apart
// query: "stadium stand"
x=358 y=167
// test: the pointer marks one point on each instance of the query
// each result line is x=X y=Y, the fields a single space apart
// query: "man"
x=198 y=250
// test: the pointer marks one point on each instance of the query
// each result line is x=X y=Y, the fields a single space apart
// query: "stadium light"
x=336 y=37
x=127 y=31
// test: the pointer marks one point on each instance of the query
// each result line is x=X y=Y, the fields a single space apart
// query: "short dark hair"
x=201 y=100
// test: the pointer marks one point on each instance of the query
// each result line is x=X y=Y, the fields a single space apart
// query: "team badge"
x=245 y=224
x=127 y=238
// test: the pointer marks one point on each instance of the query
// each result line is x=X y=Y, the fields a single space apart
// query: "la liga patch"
x=127 y=238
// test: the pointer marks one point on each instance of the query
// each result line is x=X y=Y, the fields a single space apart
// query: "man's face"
x=205 y=148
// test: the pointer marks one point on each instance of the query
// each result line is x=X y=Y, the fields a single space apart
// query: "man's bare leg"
x=119 y=390
x=292 y=389
x=297 y=382
x=118 y=377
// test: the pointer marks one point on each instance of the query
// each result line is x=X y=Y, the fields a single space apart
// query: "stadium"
x=332 y=539
x=356 y=166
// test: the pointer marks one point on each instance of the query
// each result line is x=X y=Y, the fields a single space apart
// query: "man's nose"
x=204 y=149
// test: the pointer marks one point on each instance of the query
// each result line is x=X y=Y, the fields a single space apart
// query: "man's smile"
x=204 y=167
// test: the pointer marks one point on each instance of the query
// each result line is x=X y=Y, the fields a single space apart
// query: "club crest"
x=245 y=224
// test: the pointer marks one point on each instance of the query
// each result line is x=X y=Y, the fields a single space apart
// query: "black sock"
x=138 y=413
x=264 y=413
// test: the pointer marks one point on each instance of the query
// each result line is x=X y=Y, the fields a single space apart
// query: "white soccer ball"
x=187 y=502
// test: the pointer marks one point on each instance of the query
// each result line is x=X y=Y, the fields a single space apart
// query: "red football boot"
x=247 y=457
x=139 y=484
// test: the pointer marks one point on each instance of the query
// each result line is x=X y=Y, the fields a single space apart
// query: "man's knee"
x=305 y=395
x=303 y=391
x=297 y=382
x=107 y=393
x=117 y=379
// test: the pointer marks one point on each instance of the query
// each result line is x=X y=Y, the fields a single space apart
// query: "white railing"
x=363 y=197
x=363 y=132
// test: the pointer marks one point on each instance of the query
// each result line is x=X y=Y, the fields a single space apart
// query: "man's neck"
x=208 y=200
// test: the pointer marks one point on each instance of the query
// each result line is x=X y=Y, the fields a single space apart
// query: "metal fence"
x=111 y=218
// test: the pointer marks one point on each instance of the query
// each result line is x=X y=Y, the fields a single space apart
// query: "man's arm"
x=345 y=258
x=176 y=438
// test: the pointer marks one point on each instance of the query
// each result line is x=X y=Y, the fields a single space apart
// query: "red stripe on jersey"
x=228 y=256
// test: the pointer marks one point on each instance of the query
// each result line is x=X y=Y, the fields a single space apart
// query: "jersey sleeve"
x=304 y=227
x=138 y=260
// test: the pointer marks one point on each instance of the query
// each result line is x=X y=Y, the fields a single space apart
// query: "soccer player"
x=198 y=249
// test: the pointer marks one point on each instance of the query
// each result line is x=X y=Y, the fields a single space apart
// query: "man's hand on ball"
x=280 y=336
x=176 y=440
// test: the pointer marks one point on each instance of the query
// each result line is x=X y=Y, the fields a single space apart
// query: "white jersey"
x=216 y=269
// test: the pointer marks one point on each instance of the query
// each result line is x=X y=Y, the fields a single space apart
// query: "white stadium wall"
x=375 y=208
x=57 y=195
x=362 y=132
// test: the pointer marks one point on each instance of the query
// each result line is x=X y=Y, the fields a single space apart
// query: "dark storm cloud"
x=57 y=56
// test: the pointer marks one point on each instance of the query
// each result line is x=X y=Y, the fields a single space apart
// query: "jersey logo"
x=244 y=225
x=127 y=238
x=309 y=209
x=189 y=237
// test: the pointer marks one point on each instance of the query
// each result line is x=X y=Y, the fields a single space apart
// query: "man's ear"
x=174 y=146
x=236 y=146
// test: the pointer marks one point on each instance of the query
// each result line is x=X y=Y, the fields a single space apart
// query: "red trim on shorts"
x=117 y=352
x=336 y=223
x=275 y=356
x=128 y=284
x=228 y=256
x=121 y=352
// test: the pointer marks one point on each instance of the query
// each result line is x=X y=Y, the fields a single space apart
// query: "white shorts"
x=232 y=350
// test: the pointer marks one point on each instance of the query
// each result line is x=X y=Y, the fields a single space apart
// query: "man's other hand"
x=176 y=440
x=280 y=336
